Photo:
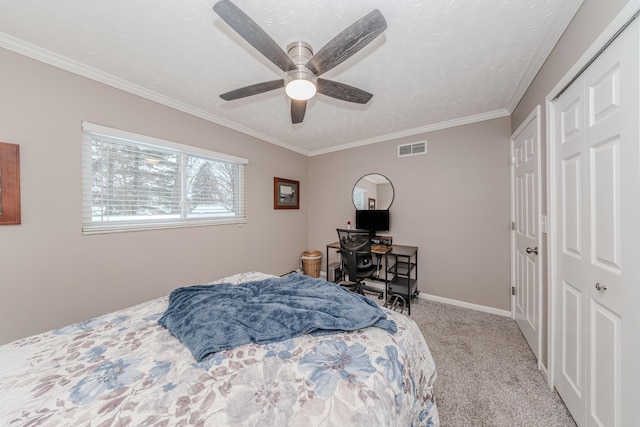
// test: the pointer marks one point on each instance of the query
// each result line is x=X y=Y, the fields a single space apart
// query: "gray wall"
x=453 y=203
x=51 y=275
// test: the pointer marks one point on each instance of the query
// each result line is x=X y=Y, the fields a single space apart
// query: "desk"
x=400 y=278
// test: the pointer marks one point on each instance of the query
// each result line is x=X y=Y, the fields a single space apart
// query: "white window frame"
x=103 y=222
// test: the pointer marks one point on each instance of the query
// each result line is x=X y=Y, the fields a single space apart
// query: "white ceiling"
x=439 y=63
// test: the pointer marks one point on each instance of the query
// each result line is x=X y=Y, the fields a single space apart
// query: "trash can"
x=311 y=261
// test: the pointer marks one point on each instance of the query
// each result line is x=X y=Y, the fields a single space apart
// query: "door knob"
x=532 y=250
x=600 y=287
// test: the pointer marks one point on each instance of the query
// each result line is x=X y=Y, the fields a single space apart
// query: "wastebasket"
x=311 y=261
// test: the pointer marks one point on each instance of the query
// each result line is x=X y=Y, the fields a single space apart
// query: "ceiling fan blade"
x=252 y=90
x=251 y=32
x=298 y=108
x=348 y=42
x=343 y=91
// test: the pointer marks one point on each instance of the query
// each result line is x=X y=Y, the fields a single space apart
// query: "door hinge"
x=513 y=290
x=543 y=224
x=513 y=225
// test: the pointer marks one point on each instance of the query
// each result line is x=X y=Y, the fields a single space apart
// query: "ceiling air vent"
x=412 y=149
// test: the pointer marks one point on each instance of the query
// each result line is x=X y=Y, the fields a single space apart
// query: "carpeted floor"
x=487 y=374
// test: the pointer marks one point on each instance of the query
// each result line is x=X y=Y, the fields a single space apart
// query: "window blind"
x=135 y=182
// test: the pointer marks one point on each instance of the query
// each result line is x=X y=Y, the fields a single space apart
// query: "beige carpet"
x=487 y=374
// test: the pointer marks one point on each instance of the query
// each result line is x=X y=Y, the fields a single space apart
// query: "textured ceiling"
x=439 y=63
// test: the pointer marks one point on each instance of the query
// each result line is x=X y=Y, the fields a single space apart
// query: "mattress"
x=124 y=369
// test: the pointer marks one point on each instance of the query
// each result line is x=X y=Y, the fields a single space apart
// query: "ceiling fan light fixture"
x=300 y=84
x=300 y=89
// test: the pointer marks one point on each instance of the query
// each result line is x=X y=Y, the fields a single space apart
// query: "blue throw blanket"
x=210 y=318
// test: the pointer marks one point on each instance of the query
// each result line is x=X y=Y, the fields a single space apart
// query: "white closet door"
x=613 y=199
x=569 y=283
x=597 y=281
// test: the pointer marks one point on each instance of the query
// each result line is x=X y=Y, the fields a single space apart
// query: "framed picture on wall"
x=286 y=193
x=9 y=183
x=372 y=204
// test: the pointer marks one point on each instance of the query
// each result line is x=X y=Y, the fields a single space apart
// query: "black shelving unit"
x=401 y=275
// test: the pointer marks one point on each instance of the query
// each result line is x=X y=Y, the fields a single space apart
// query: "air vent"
x=412 y=149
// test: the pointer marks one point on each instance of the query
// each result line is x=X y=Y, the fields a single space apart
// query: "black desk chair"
x=357 y=262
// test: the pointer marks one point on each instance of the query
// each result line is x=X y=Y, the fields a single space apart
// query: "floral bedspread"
x=123 y=369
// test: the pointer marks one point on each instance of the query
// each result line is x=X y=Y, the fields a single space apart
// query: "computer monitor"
x=372 y=220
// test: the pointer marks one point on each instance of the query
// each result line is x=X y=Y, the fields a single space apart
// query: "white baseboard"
x=463 y=304
x=449 y=301
x=477 y=307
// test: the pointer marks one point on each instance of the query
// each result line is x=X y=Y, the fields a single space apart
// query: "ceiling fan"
x=301 y=67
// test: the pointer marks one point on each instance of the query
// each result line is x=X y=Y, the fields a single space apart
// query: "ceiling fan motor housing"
x=301 y=83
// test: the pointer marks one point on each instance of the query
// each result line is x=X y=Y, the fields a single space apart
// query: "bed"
x=125 y=369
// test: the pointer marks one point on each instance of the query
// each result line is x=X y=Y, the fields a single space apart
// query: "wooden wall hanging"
x=9 y=183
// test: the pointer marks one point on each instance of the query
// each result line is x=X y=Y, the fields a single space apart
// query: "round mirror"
x=373 y=191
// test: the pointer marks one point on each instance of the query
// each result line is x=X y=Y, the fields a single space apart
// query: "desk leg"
x=327 y=265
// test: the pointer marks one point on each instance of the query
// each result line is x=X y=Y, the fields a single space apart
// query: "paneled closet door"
x=597 y=286
x=569 y=284
x=613 y=202
x=525 y=264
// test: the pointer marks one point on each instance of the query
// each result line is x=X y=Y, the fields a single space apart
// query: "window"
x=359 y=196
x=135 y=182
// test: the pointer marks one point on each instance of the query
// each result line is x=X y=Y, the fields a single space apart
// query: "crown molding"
x=43 y=55
x=560 y=24
x=628 y=13
x=416 y=131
